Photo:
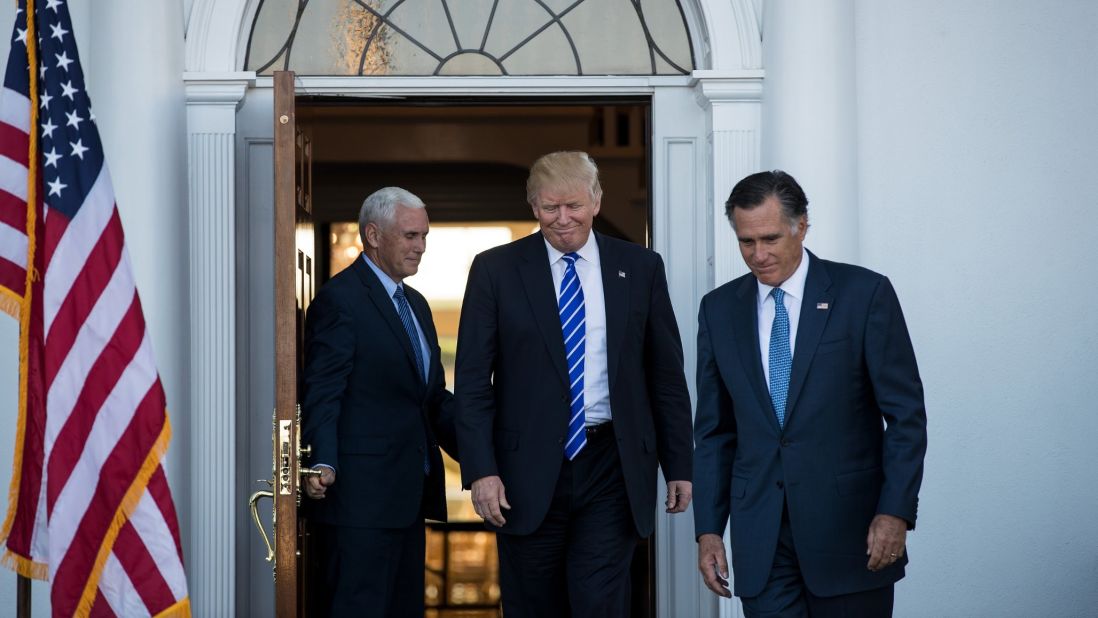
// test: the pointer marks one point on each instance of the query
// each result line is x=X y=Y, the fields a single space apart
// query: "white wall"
x=132 y=55
x=977 y=193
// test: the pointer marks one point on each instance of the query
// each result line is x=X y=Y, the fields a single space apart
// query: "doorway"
x=468 y=161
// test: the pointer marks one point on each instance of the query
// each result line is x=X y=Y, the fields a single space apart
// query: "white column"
x=809 y=115
x=733 y=103
x=211 y=131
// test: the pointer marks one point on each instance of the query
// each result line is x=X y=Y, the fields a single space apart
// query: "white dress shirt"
x=794 y=295
x=596 y=385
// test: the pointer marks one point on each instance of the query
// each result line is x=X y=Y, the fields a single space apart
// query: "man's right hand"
x=488 y=497
x=713 y=564
x=315 y=486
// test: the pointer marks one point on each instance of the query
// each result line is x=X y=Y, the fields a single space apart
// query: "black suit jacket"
x=365 y=409
x=512 y=382
x=834 y=462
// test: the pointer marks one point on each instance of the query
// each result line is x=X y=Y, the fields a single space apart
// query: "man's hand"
x=713 y=564
x=488 y=497
x=678 y=495
x=885 y=542
x=315 y=486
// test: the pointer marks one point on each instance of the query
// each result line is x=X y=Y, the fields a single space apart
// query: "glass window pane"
x=273 y=24
x=471 y=20
x=514 y=21
x=549 y=53
x=425 y=22
x=667 y=27
x=603 y=50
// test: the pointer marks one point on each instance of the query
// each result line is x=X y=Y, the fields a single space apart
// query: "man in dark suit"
x=801 y=364
x=375 y=409
x=571 y=391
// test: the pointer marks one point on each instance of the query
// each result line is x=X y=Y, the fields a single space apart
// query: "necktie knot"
x=778 y=294
x=399 y=293
x=570 y=258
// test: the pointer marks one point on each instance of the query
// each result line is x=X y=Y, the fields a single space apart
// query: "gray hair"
x=380 y=207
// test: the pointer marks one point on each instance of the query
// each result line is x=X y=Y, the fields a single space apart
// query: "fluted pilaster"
x=211 y=128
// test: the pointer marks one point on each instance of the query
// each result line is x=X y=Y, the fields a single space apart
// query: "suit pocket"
x=860 y=482
x=739 y=486
x=507 y=440
x=363 y=445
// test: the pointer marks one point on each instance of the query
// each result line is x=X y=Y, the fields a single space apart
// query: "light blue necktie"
x=410 y=327
x=781 y=359
x=573 y=324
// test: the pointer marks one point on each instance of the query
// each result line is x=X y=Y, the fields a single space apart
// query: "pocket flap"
x=739 y=486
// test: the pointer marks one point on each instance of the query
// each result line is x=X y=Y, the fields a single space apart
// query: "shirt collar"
x=589 y=251
x=793 y=286
x=386 y=281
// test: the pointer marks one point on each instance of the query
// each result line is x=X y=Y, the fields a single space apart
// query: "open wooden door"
x=295 y=269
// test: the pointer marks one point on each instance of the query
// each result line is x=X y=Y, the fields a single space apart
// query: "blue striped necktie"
x=410 y=327
x=573 y=324
x=781 y=358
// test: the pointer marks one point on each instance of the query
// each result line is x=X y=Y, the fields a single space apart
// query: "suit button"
x=564 y=398
x=785 y=442
x=560 y=440
x=421 y=449
x=781 y=485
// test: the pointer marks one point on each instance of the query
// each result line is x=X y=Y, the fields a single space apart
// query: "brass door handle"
x=253 y=503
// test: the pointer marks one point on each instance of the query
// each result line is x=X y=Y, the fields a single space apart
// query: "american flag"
x=89 y=505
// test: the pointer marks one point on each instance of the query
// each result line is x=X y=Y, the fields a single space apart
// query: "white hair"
x=380 y=207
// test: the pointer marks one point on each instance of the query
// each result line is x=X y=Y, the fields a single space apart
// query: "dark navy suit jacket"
x=512 y=382
x=835 y=464
x=365 y=409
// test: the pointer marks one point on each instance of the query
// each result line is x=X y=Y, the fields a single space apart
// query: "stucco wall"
x=978 y=195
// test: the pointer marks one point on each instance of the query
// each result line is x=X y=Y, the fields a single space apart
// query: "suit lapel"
x=385 y=308
x=817 y=294
x=537 y=281
x=745 y=321
x=615 y=291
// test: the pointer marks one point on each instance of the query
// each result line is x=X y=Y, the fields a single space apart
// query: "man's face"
x=566 y=215
x=769 y=247
x=400 y=244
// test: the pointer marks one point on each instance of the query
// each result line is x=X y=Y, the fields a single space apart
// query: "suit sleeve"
x=476 y=358
x=715 y=438
x=329 y=359
x=894 y=374
x=443 y=417
x=667 y=383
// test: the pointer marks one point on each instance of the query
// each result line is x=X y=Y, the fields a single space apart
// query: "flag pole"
x=23 y=583
x=22 y=597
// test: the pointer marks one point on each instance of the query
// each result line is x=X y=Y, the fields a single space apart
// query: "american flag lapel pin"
x=822 y=306
x=621 y=274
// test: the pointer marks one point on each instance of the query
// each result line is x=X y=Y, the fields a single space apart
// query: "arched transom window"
x=470 y=37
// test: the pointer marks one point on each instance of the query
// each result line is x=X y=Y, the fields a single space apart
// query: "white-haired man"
x=375 y=410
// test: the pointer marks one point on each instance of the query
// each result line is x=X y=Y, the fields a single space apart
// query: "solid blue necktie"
x=410 y=327
x=573 y=324
x=781 y=359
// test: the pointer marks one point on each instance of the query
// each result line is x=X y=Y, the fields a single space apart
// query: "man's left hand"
x=886 y=541
x=678 y=495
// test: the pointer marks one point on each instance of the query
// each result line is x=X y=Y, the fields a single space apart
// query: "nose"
x=758 y=253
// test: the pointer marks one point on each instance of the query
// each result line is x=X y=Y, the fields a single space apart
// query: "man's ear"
x=370 y=235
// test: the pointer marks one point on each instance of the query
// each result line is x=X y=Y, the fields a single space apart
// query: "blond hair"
x=564 y=169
